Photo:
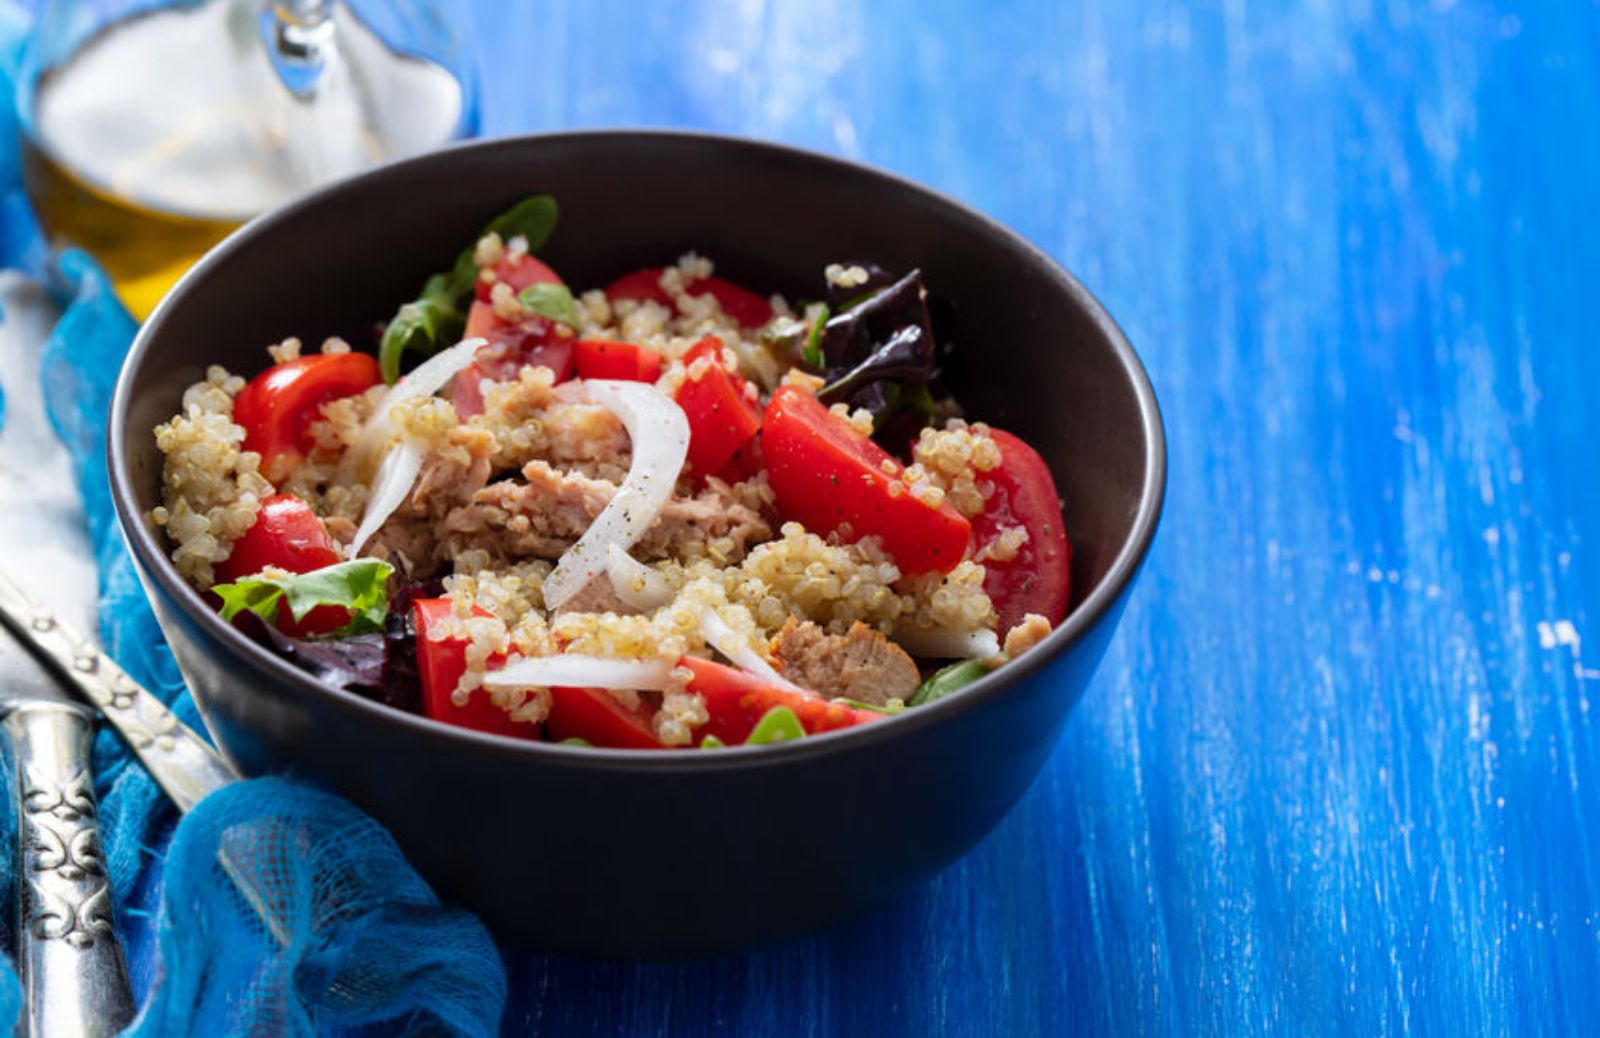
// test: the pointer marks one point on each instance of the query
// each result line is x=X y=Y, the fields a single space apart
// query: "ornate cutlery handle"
x=181 y=762
x=71 y=963
x=183 y=765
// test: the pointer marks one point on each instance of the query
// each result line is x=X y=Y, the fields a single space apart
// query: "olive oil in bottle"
x=165 y=130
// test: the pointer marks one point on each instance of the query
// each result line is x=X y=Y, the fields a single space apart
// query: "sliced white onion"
x=572 y=670
x=425 y=380
x=731 y=644
x=940 y=643
x=639 y=586
x=660 y=437
x=390 y=487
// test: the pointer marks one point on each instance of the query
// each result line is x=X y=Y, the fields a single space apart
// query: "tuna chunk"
x=410 y=538
x=542 y=517
x=559 y=424
x=597 y=596
x=861 y=665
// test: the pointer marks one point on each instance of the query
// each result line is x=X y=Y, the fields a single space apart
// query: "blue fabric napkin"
x=352 y=941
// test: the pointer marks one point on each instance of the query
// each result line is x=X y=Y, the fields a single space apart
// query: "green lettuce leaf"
x=359 y=585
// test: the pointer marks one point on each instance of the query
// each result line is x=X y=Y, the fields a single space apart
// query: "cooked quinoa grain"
x=953 y=460
x=211 y=488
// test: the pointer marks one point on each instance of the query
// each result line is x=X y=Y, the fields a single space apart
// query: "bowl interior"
x=1034 y=352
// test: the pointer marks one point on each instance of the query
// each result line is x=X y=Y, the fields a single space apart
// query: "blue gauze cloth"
x=358 y=943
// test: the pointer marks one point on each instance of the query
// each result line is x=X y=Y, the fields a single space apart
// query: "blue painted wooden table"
x=1339 y=770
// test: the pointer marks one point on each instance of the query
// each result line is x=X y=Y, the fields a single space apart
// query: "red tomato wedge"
x=1038 y=579
x=722 y=416
x=736 y=701
x=824 y=474
x=441 y=664
x=741 y=304
x=597 y=358
x=278 y=406
x=287 y=534
x=599 y=718
x=532 y=340
x=484 y=323
x=640 y=285
x=746 y=462
x=512 y=342
x=535 y=341
x=519 y=273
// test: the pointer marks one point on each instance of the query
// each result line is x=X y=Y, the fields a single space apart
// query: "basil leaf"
x=438 y=315
x=534 y=218
x=947 y=679
x=711 y=742
x=552 y=301
x=434 y=317
x=359 y=585
x=575 y=741
x=780 y=724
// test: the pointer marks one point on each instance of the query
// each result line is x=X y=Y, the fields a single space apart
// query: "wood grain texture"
x=1338 y=772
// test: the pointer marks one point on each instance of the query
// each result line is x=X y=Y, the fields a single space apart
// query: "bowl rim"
x=158 y=567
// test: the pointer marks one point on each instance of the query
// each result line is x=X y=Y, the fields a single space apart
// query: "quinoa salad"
x=669 y=512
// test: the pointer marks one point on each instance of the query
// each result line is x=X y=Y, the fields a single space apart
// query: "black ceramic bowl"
x=608 y=852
